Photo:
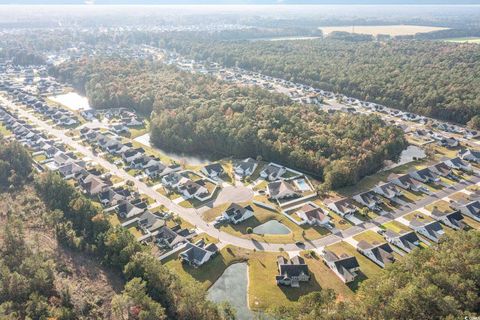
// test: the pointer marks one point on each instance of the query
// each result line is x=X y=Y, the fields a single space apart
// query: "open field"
x=392 y=30
x=396 y=226
x=463 y=40
x=369 y=236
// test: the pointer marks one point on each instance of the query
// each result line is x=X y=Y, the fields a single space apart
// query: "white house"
x=346 y=267
x=313 y=215
x=235 y=213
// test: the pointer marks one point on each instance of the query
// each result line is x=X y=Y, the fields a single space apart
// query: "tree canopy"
x=431 y=78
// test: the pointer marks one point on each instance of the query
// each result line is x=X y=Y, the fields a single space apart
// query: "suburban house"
x=450 y=219
x=442 y=170
x=198 y=253
x=381 y=254
x=368 y=199
x=149 y=223
x=192 y=189
x=281 y=190
x=470 y=155
x=425 y=175
x=119 y=128
x=471 y=210
x=154 y=168
x=92 y=184
x=109 y=197
x=313 y=215
x=406 y=182
x=292 y=272
x=343 y=207
x=236 y=213
x=131 y=154
x=344 y=266
x=213 y=170
x=272 y=172
x=69 y=170
x=405 y=241
x=459 y=164
x=172 y=180
x=388 y=190
x=431 y=230
x=171 y=237
x=127 y=210
x=245 y=167
x=448 y=142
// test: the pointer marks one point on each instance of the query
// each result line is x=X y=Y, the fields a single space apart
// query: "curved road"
x=193 y=216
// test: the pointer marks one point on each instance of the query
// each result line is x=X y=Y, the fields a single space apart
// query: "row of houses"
x=134 y=158
x=60 y=116
x=392 y=190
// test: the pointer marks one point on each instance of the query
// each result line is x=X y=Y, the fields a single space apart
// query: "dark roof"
x=293 y=267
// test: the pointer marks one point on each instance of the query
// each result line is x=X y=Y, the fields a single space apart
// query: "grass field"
x=392 y=30
x=368 y=269
x=396 y=226
x=462 y=40
x=4 y=131
x=369 y=236
x=261 y=215
x=441 y=205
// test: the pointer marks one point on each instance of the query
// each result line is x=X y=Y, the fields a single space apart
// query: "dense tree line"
x=436 y=79
x=15 y=164
x=153 y=291
x=198 y=114
x=441 y=282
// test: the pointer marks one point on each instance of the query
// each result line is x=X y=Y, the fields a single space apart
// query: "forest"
x=48 y=210
x=432 y=78
x=201 y=115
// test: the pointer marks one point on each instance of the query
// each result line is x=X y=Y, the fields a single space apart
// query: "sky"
x=251 y=2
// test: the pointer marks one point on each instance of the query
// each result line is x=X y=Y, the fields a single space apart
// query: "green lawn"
x=417 y=215
x=4 y=131
x=212 y=270
x=262 y=215
x=369 y=236
x=441 y=205
x=396 y=226
x=368 y=268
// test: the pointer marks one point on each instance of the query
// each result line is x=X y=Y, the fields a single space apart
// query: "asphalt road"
x=193 y=216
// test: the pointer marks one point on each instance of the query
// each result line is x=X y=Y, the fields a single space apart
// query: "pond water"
x=180 y=158
x=72 y=100
x=408 y=155
x=271 y=227
x=232 y=287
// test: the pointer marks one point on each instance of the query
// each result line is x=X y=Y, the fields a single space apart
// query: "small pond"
x=271 y=227
x=72 y=100
x=408 y=155
x=180 y=158
x=232 y=287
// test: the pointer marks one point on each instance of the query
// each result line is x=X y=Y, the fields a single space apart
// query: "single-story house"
x=245 y=167
x=272 y=172
x=470 y=155
x=459 y=164
x=380 y=253
x=368 y=199
x=425 y=175
x=313 y=215
x=213 y=170
x=109 y=197
x=406 y=182
x=442 y=170
x=450 y=219
x=343 y=207
x=292 y=272
x=198 y=253
x=406 y=241
x=236 y=213
x=281 y=190
x=126 y=210
x=344 y=266
x=431 y=230
x=471 y=210
x=388 y=190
